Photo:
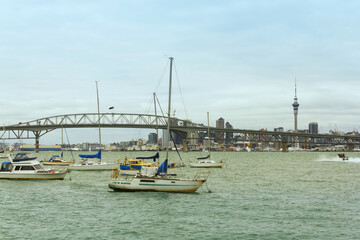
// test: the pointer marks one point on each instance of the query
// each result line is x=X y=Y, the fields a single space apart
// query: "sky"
x=234 y=59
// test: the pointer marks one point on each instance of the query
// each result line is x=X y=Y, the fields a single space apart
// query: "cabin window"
x=17 y=168
x=147 y=180
x=37 y=166
x=24 y=168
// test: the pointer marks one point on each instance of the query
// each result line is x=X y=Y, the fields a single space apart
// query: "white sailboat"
x=206 y=162
x=156 y=179
x=85 y=164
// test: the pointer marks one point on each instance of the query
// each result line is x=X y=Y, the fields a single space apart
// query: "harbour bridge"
x=37 y=128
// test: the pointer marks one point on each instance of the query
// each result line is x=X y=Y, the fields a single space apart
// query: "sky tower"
x=295 y=106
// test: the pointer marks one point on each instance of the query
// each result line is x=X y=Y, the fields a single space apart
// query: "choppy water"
x=256 y=196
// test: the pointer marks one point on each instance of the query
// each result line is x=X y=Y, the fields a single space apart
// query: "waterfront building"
x=220 y=135
x=313 y=128
x=296 y=107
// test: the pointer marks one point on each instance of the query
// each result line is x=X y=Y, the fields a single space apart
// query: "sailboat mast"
x=209 y=134
x=169 y=109
x=157 y=130
x=97 y=94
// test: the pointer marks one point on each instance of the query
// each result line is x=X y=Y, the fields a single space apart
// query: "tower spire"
x=296 y=107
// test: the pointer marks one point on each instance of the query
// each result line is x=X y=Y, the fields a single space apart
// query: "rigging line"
x=182 y=98
x=160 y=106
x=162 y=75
x=67 y=137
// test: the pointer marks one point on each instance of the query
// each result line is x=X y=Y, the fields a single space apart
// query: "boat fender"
x=115 y=174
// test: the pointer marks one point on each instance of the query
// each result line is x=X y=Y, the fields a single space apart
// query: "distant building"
x=313 y=128
x=229 y=135
x=220 y=135
x=279 y=129
x=152 y=139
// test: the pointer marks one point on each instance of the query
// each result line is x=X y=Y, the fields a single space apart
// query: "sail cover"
x=207 y=157
x=152 y=157
x=163 y=167
x=98 y=155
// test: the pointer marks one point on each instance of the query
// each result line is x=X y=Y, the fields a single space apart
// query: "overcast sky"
x=235 y=59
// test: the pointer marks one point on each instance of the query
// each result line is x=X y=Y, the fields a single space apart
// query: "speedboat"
x=207 y=164
x=343 y=156
x=29 y=170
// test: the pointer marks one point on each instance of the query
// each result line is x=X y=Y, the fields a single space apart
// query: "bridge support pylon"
x=351 y=147
x=37 y=141
x=284 y=146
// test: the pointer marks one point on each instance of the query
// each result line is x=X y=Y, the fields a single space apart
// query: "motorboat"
x=343 y=156
x=205 y=163
x=29 y=170
x=86 y=165
x=131 y=167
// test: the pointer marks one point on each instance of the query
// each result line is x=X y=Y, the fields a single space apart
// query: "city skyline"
x=236 y=60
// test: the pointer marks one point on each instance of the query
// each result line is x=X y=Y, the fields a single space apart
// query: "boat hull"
x=57 y=163
x=93 y=167
x=156 y=185
x=207 y=165
x=32 y=176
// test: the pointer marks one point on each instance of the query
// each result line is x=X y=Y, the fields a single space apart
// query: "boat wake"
x=337 y=159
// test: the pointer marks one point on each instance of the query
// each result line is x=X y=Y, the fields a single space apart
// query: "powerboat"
x=207 y=164
x=29 y=170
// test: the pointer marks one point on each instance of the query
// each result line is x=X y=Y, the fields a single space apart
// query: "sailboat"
x=156 y=178
x=85 y=164
x=206 y=162
x=58 y=160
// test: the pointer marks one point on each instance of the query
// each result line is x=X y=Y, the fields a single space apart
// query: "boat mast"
x=208 y=134
x=169 y=109
x=97 y=94
x=157 y=130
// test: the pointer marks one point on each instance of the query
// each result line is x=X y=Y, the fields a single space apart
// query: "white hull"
x=4 y=155
x=171 y=172
x=93 y=167
x=207 y=165
x=57 y=163
x=156 y=184
x=33 y=176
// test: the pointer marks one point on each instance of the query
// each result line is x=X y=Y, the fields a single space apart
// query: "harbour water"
x=255 y=196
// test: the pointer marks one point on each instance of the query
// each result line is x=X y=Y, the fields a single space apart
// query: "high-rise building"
x=220 y=135
x=313 y=128
x=228 y=135
x=296 y=107
x=152 y=138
